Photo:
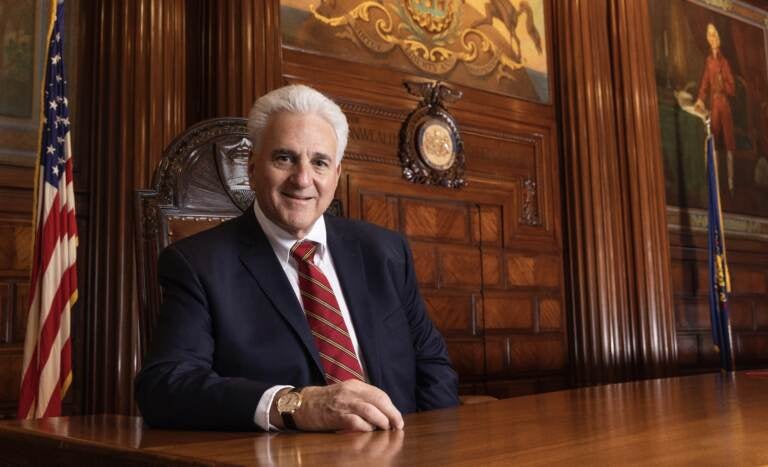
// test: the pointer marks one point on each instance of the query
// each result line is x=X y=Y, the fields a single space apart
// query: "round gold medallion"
x=436 y=144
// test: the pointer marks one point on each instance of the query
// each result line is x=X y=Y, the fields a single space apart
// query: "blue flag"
x=719 y=278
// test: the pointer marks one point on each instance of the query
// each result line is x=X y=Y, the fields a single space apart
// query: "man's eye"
x=282 y=158
x=322 y=163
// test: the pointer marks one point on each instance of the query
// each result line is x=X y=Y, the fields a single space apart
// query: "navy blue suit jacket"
x=231 y=326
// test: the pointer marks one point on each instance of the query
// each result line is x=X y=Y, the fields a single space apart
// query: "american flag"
x=47 y=370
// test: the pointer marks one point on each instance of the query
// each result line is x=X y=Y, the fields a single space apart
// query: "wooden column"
x=642 y=163
x=234 y=56
x=622 y=315
x=133 y=102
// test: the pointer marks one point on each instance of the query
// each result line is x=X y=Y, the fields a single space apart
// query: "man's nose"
x=302 y=173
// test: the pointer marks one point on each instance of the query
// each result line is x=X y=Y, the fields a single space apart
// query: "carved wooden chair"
x=201 y=181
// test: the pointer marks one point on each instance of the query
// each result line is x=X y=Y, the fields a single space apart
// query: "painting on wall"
x=17 y=44
x=21 y=42
x=494 y=45
x=711 y=61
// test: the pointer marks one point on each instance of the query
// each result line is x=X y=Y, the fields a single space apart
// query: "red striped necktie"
x=337 y=353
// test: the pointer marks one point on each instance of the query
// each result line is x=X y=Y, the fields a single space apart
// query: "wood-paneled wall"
x=748 y=305
x=551 y=268
x=15 y=259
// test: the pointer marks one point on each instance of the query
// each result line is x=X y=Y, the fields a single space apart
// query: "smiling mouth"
x=297 y=197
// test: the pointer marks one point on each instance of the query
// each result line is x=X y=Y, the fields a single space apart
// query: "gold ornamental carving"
x=434 y=16
x=429 y=35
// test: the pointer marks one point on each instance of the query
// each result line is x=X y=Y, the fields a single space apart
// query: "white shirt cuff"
x=261 y=417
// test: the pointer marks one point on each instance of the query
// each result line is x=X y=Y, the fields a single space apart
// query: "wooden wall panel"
x=761 y=316
x=507 y=311
x=16 y=185
x=748 y=305
x=10 y=369
x=6 y=310
x=454 y=313
x=462 y=246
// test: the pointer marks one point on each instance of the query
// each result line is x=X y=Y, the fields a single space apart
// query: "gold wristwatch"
x=287 y=405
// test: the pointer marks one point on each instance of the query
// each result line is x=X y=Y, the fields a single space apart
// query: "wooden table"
x=707 y=419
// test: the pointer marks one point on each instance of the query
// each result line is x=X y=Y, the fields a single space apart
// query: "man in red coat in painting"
x=717 y=86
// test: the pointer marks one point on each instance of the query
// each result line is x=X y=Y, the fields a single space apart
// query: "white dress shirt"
x=281 y=242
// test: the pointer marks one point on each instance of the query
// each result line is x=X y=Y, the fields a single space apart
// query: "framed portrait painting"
x=711 y=61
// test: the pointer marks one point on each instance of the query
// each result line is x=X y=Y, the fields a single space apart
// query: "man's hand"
x=348 y=406
x=699 y=106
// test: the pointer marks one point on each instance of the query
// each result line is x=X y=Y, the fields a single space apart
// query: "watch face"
x=436 y=144
x=289 y=402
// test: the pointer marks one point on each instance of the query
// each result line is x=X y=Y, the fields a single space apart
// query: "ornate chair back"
x=201 y=181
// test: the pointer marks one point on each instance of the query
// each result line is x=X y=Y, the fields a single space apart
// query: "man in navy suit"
x=286 y=318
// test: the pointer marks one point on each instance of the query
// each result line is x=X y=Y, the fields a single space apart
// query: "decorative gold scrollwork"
x=380 y=29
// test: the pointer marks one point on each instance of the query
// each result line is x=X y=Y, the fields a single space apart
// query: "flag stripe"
x=60 y=304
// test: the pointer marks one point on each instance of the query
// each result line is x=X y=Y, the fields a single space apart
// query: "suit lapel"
x=348 y=261
x=259 y=259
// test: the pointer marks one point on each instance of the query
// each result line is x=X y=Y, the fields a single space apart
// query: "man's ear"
x=338 y=171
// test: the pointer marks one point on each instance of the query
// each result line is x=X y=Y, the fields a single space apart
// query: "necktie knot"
x=304 y=251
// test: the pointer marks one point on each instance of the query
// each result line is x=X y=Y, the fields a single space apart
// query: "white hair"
x=297 y=98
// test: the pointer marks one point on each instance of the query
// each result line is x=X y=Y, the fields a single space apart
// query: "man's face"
x=295 y=172
x=713 y=37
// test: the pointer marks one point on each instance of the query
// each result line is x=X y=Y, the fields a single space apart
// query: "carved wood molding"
x=532 y=139
x=177 y=154
x=530 y=208
x=371 y=110
x=357 y=156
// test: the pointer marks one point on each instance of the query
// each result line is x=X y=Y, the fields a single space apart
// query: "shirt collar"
x=282 y=241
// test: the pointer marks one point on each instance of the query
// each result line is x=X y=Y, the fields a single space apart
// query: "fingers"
x=378 y=409
x=371 y=415
x=384 y=406
x=352 y=422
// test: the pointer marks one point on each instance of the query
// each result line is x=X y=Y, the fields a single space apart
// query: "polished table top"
x=711 y=419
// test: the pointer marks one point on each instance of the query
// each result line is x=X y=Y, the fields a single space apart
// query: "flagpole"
x=720 y=282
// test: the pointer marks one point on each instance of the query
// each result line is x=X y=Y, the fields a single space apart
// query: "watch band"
x=288 y=421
